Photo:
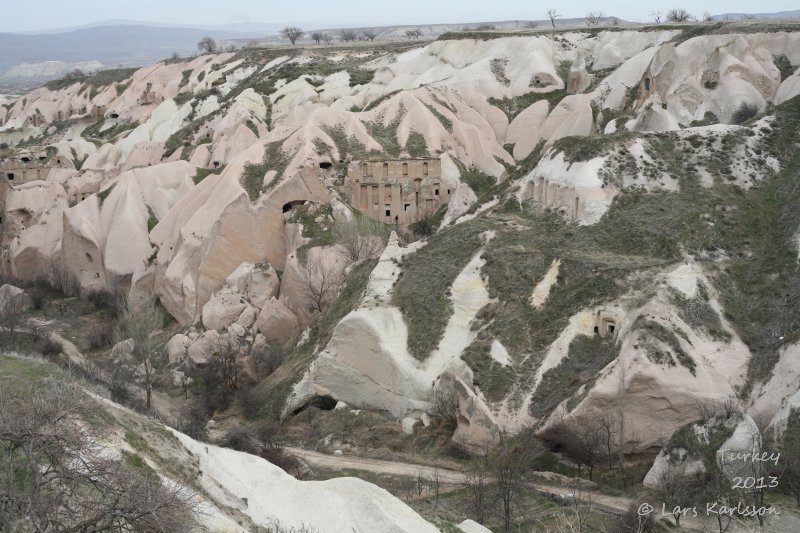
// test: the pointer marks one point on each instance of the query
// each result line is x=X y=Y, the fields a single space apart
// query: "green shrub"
x=253 y=176
x=516 y=105
x=416 y=145
x=361 y=77
x=784 y=66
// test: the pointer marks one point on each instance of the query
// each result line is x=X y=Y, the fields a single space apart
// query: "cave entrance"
x=288 y=206
x=325 y=165
x=114 y=116
x=323 y=403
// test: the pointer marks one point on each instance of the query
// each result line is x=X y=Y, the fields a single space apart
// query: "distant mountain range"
x=256 y=28
x=111 y=45
x=776 y=15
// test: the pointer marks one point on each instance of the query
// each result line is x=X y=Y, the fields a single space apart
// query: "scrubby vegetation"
x=421 y=291
x=253 y=176
x=416 y=145
x=655 y=331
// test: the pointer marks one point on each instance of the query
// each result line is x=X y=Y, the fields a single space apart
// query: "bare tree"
x=580 y=504
x=347 y=35
x=678 y=15
x=634 y=521
x=413 y=34
x=608 y=426
x=292 y=33
x=320 y=281
x=657 y=16
x=675 y=492
x=790 y=456
x=224 y=364
x=719 y=489
x=757 y=470
x=552 y=15
x=476 y=486
x=594 y=18
x=55 y=476
x=362 y=237
x=326 y=38
x=435 y=485
x=621 y=384
x=444 y=405
x=207 y=45
x=730 y=405
x=61 y=279
x=708 y=17
x=317 y=36
x=587 y=445
x=512 y=461
x=140 y=320
x=12 y=317
x=369 y=35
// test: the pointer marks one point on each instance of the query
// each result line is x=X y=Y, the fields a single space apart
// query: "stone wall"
x=30 y=166
x=401 y=191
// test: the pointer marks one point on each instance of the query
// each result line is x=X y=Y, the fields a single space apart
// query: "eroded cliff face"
x=602 y=195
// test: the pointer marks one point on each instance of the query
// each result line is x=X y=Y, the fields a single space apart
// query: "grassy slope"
x=642 y=231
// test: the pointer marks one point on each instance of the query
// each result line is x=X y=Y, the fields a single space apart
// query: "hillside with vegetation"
x=603 y=299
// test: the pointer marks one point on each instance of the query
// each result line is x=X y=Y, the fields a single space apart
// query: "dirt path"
x=611 y=504
x=379 y=466
x=376 y=466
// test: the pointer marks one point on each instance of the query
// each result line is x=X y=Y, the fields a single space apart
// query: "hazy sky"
x=30 y=15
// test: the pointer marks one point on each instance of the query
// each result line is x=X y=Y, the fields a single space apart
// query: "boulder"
x=248 y=317
x=277 y=323
x=222 y=309
x=470 y=526
x=202 y=349
x=674 y=464
x=13 y=300
x=177 y=346
x=237 y=330
x=258 y=283
x=122 y=351
x=340 y=212
x=408 y=425
x=733 y=455
x=682 y=457
x=476 y=429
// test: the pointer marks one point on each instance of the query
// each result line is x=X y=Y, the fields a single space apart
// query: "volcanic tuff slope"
x=622 y=230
